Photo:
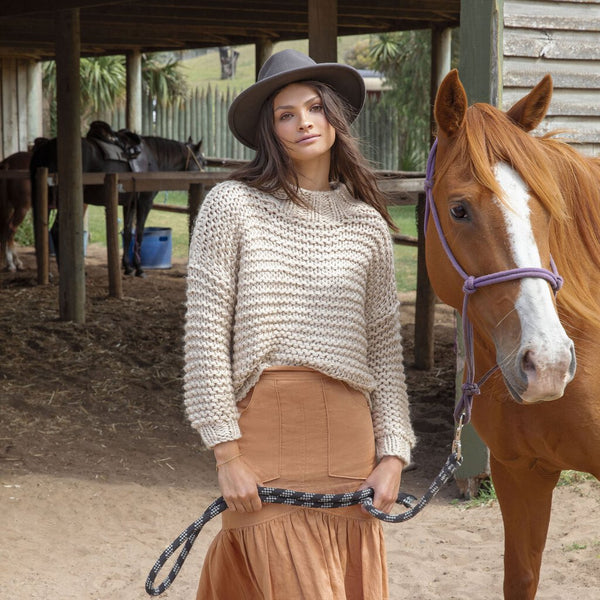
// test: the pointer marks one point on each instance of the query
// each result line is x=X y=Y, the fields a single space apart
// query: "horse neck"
x=575 y=242
x=169 y=155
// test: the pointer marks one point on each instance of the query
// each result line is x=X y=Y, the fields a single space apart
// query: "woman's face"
x=300 y=123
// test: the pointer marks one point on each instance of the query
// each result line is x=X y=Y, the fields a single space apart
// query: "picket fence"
x=203 y=115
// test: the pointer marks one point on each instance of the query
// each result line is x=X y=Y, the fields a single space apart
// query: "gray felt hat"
x=281 y=69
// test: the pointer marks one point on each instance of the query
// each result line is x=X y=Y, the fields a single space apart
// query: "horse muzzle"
x=539 y=373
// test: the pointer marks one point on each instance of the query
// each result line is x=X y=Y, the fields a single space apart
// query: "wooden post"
x=111 y=211
x=34 y=101
x=425 y=300
x=262 y=50
x=40 y=191
x=322 y=30
x=441 y=39
x=134 y=91
x=70 y=191
x=195 y=198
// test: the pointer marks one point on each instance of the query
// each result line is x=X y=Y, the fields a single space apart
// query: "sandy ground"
x=99 y=470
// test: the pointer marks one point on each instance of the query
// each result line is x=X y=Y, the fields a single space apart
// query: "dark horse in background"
x=15 y=201
x=126 y=152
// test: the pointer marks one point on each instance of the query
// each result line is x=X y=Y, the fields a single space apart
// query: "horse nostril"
x=527 y=363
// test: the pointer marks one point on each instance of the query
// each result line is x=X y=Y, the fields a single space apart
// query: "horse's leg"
x=127 y=226
x=525 y=496
x=18 y=218
x=143 y=206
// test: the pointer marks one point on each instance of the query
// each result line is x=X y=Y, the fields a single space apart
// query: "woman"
x=293 y=369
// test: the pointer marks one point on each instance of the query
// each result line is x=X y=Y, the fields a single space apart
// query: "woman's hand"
x=237 y=480
x=385 y=480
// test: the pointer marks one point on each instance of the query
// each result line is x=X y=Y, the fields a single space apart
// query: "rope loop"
x=469 y=286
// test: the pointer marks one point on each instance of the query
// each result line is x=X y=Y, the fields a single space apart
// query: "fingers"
x=247 y=503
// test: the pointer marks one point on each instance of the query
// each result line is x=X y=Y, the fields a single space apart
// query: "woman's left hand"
x=385 y=480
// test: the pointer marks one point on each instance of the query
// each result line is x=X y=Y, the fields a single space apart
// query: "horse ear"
x=529 y=111
x=190 y=141
x=450 y=104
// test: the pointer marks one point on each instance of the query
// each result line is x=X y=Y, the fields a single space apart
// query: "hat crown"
x=283 y=61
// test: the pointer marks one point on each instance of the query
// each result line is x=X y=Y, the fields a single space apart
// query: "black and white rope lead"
x=271 y=495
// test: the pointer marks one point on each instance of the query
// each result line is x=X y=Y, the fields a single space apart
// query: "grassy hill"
x=205 y=70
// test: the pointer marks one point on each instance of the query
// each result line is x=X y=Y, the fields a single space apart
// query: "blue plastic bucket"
x=157 y=247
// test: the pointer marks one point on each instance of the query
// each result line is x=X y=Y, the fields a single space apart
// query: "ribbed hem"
x=217 y=433
x=391 y=445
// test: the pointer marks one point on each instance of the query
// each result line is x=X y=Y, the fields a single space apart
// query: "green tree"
x=359 y=55
x=103 y=85
x=404 y=59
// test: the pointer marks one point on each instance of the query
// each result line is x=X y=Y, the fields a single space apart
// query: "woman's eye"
x=459 y=212
x=316 y=107
x=285 y=116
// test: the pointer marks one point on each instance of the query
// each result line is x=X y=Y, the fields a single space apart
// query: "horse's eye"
x=459 y=212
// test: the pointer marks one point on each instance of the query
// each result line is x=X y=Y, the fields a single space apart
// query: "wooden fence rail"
x=404 y=190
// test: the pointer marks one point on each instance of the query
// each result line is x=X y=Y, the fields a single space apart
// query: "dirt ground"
x=99 y=469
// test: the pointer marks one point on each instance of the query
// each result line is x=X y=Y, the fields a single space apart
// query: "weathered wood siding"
x=20 y=104
x=561 y=38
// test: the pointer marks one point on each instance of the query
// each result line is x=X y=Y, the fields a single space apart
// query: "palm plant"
x=103 y=85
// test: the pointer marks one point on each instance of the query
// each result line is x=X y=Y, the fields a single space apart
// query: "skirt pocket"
x=350 y=437
x=260 y=424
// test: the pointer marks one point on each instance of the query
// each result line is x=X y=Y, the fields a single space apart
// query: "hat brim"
x=244 y=110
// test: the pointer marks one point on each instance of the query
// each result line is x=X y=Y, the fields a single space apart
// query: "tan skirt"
x=305 y=431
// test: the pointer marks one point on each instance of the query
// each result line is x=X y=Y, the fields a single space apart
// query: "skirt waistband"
x=290 y=372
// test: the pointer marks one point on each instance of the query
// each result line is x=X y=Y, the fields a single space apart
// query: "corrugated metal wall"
x=561 y=38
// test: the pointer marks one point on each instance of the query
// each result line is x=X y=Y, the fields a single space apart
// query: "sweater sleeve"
x=211 y=292
x=389 y=400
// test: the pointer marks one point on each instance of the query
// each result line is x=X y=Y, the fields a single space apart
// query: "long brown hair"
x=272 y=170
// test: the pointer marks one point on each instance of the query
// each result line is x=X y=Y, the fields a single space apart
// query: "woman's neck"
x=314 y=175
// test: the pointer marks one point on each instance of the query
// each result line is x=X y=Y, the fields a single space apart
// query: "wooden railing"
x=401 y=189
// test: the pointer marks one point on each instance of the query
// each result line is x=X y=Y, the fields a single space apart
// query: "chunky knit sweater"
x=274 y=283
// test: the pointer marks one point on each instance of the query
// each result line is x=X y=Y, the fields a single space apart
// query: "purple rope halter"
x=470 y=387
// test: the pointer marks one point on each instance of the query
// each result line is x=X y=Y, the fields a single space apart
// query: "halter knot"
x=558 y=282
x=469 y=286
x=471 y=389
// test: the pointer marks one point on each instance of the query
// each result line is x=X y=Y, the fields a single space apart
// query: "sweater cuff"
x=217 y=433
x=393 y=445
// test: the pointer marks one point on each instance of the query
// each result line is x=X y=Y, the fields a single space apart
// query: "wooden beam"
x=70 y=215
x=322 y=30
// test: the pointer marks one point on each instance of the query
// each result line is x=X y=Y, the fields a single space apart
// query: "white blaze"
x=542 y=331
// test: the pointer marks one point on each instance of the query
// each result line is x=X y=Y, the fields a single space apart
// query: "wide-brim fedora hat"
x=281 y=69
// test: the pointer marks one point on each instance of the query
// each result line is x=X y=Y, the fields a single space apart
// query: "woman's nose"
x=305 y=122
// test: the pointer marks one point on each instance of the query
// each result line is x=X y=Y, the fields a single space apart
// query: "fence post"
x=111 y=204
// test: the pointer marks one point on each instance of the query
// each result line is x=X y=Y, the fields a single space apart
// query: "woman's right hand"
x=237 y=480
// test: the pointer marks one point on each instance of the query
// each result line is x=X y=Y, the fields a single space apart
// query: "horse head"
x=494 y=199
x=196 y=160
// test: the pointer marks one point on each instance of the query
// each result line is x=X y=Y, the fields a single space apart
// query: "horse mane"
x=565 y=182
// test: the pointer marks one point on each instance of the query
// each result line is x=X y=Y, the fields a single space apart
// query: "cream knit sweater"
x=273 y=283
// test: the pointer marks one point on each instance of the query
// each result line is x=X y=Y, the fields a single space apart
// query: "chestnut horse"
x=15 y=202
x=508 y=213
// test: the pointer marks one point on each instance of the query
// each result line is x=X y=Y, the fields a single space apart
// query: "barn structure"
x=505 y=48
